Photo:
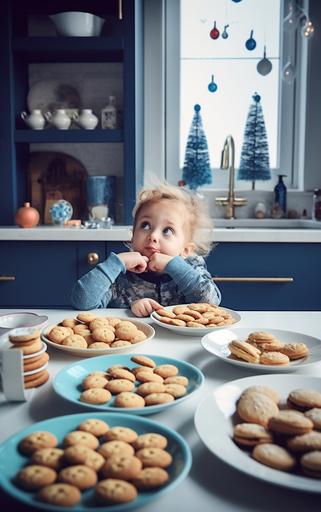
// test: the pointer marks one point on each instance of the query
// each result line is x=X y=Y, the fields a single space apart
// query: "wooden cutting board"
x=55 y=175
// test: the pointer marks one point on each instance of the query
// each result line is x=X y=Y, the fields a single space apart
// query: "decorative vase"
x=59 y=119
x=60 y=212
x=86 y=119
x=27 y=216
x=35 y=120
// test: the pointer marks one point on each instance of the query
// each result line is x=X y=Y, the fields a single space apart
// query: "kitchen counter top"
x=123 y=233
x=211 y=484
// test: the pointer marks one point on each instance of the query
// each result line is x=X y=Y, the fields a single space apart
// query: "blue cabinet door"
x=301 y=262
x=40 y=274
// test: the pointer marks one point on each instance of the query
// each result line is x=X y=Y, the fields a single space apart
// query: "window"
x=192 y=57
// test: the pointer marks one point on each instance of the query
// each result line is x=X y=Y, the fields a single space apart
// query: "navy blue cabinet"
x=41 y=274
x=121 y=42
x=268 y=276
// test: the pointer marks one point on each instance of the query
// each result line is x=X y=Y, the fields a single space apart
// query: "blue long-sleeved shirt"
x=110 y=285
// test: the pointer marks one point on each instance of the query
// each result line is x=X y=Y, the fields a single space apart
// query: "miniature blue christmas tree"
x=197 y=167
x=255 y=164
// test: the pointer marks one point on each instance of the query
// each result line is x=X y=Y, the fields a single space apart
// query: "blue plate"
x=11 y=461
x=68 y=381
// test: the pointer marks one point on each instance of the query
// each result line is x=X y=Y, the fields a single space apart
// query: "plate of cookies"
x=89 y=335
x=273 y=350
x=195 y=319
x=108 y=462
x=140 y=383
x=267 y=426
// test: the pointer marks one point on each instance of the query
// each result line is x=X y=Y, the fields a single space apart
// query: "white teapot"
x=59 y=119
x=35 y=120
x=86 y=119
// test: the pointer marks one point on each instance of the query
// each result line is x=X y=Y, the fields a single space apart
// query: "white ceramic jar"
x=86 y=119
x=35 y=120
x=59 y=119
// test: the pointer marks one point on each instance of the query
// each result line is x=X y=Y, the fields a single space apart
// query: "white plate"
x=52 y=94
x=217 y=343
x=214 y=421
x=192 y=331
x=87 y=352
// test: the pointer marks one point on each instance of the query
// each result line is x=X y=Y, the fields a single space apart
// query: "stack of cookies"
x=88 y=330
x=196 y=315
x=262 y=347
x=115 y=463
x=34 y=355
x=285 y=436
x=143 y=385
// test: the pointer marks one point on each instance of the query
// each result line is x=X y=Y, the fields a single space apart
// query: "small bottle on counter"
x=280 y=193
x=316 y=210
x=109 y=115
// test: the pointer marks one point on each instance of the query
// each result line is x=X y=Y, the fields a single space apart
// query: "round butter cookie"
x=256 y=408
x=143 y=361
x=150 y=478
x=34 y=477
x=315 y=416
x=79 y=475
x=274 y=456
x=115 y=448
x=274 y=358
x=264 y=390
x=304 y=399
x=81 y=454
x=121 y=466
x=305 y=443
x=311 y=464
x=63 y=495
x=94 y=426
x=290 y=422
x=251 y=434
x=116 y=491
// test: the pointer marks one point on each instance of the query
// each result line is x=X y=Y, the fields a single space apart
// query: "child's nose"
x=153 y=236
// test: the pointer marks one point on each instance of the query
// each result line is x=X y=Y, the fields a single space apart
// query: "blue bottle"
x=280 y=193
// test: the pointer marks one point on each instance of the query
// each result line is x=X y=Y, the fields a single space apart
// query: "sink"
x=266 y=224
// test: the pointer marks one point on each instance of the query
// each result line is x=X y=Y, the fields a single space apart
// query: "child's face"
x=162 y=227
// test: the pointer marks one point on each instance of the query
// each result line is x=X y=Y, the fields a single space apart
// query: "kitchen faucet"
x=227 y=162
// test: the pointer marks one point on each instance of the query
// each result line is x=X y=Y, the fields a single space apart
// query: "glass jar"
x=316 y=210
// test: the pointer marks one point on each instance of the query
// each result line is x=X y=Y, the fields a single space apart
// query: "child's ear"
x=188 y=250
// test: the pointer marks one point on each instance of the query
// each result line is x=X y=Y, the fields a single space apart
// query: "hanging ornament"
x=290 y=20
x=236 y=1
x=288 y=72
x=215 y=33
x=307 y=30
x=250 y=43
x=264 y=67
x=212 y=86
x=224 y=33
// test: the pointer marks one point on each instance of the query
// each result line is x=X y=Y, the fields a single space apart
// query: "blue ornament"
x=224 y=33
x=197 y=107
x=250 y=43
x=256 y=97
x=61 y=211
x=236 y=1
x=212 y=86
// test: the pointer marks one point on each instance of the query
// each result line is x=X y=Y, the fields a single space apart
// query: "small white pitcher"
x=86 y=119
x=59 y=119
x=35 y=120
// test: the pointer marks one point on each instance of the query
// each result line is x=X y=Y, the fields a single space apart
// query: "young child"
x=164 y=267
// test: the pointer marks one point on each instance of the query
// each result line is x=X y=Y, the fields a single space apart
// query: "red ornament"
x=181 y=183
x=215 y=33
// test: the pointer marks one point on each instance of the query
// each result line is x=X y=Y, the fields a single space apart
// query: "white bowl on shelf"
x=77 y=24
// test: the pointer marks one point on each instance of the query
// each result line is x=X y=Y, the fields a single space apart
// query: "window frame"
x=162 y=100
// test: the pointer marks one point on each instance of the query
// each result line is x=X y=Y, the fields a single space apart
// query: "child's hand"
x=134 y=261
x=144 y=307
x=158 y=261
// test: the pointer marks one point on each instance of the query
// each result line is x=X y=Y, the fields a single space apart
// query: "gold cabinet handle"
x=253 y=279
x=7 y=278
x=92 y=258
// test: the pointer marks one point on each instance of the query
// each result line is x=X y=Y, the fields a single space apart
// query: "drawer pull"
x=253 y=279
x=92 y=258
x=7 y=278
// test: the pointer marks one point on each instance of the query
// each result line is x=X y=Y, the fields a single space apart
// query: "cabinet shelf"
x=54 y=135
x=65 y=49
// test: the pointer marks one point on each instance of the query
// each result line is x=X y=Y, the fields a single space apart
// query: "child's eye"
x=145 y=225
x=168 y=231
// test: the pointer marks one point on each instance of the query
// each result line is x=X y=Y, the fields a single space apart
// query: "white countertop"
x=211 y=485
x=123 y=233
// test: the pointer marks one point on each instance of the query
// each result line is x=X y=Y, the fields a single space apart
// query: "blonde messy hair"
x=200 y=222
